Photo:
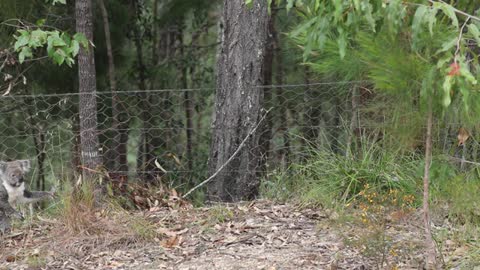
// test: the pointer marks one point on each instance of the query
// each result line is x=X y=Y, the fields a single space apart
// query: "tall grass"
x=331 y=179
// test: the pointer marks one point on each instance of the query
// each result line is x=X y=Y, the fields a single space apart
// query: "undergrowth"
x=329 y=179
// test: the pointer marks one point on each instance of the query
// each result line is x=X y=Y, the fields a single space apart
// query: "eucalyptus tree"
x=238 y=101
x=90 y=145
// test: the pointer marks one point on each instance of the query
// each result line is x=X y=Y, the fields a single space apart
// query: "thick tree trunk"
x=90 y=156
x=117 y=152
x=238 y=101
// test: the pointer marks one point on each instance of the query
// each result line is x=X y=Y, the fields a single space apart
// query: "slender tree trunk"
x=90 y=156
x=312 y=113
x=117 y=153
x=353 y=121
x=188 y=105
x=430 y=245
x=145 y=158
x=39 y=142
x=283 y=104
x=266 y=130
x=76 y=152
x=238 y=101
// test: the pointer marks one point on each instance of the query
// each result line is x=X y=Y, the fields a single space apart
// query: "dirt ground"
x=250 y=235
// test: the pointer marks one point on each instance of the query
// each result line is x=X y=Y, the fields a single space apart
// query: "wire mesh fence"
x=144 y=134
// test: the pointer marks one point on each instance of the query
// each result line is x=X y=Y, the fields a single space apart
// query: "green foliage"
x=437 y=39
x=64 y=2
x=459 y=190
x=61 y=48
x=327 y=178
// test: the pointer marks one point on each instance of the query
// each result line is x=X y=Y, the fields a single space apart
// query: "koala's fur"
x=12 y=191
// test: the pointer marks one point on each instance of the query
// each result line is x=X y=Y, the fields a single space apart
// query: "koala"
x=13 y=191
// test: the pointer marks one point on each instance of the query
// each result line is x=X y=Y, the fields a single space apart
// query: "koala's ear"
x=3 y=167
x=25 y=164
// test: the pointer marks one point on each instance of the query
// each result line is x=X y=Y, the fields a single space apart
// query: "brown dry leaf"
x=462 y=136
x=172 y=242
x=10 y=258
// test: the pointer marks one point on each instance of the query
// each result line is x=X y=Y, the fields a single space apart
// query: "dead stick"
x=242 y=144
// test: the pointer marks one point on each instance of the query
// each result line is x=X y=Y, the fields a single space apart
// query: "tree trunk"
x=187 y=101
x=39 y=142
x=430 y=245
x=117 y=152
x=266 y=130
x=282 y=105
x=238 y=101
x=312 y=112
x=351 y=139
x=89 y=146
x=145 y=158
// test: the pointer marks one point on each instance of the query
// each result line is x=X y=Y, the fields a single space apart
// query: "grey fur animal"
x=13 y=191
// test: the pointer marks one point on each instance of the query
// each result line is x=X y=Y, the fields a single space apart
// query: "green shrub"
x=328 y=178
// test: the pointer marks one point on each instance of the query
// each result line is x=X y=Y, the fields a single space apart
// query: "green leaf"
x=82 y=39
x=21 y=41
x=303 y=28
x=40 y=22
x=38 y=38
x=418 y=19
x=417 y=22
x=59 y=56
x=447 y=10
x=448 y=45
x=57 y=41
x=26 y=52
x=64 y=2
x=444 y=60
x=368 y=13
x=465 y=72
x=342 y=43
x=473 y=30
x=249 y=3
x=69 y=61
x=447 y=86
x=290 y=4
x=317 y=5
x=432 y=20
x=75 y=47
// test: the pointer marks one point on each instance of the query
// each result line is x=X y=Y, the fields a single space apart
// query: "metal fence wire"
x=158 y=131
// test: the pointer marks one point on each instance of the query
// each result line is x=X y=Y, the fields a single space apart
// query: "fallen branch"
x=242 y=144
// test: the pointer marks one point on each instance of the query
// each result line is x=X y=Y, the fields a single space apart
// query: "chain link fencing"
x=167 y=133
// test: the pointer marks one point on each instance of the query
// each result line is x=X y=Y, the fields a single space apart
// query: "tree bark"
x=89 y=146
x=188 y=104
x=283 y=105
x=238 y=101
x=266 y=130
x=145 y=158
x=312 y=113
x=430 y=245
x=117 y=152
